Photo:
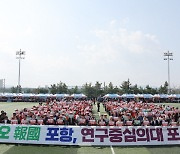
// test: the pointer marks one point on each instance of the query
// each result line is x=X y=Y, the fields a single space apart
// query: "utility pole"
x=19 y=55
x=168 y=56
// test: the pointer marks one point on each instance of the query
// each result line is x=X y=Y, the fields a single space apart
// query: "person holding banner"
x=15 y=119
x=50 y=120
x=71 y=119
x=101 y=121
x=60 y=120
x=82 y=121
x=111 y=122
x=24 y=120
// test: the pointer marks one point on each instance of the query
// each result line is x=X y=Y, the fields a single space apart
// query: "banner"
x=89 y=135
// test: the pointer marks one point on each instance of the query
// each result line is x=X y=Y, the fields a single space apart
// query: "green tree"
x=62 y=88
x=135 y=89
x=29 y=90
x=150 y=90
x=147 y=90
x=53 y=89
x=125 y=86
x=13 y=89
x=111 y=89
x=41 y=90
x=59 y=88
x=164 y=89
x=88 y=90
x=74 y=90
x=98 y=89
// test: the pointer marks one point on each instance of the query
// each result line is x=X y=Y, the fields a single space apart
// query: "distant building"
x=2 y=85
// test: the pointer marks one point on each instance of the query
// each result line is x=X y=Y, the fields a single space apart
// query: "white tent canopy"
x=128 y=95
x=61 y=95
x=112 y=96
x=78 y=96
x=147 y=96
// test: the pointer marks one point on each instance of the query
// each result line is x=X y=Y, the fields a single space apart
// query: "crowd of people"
x=80 y=113
x=56 y=113
x=142 y=113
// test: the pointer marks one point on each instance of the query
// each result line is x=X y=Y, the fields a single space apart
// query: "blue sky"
x=79 y=41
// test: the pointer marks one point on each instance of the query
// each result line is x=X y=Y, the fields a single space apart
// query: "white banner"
x=89 y=135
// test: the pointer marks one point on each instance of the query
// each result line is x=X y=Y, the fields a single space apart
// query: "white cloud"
x=104 y=50
x=113 y=22
x=125 y=21
x=28 y=31
x=112 y=42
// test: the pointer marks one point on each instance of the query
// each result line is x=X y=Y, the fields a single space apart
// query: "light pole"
x=19 y=55
x=4 y=86
x=168 y=56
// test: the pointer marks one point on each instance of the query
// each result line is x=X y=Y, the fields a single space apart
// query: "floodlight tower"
x=168 y=56
x=4 y=86
x=19 y=55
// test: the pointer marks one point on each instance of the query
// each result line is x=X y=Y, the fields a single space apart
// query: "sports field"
x=44 y=149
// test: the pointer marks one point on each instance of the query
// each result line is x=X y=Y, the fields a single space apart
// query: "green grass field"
x=45 y=149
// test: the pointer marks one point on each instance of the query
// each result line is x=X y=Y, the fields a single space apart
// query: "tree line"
x=98 y=89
